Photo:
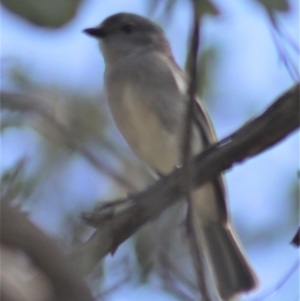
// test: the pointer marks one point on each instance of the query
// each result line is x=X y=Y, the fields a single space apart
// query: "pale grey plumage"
x=146 y=92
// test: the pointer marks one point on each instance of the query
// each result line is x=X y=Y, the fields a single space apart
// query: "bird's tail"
x=231 y=271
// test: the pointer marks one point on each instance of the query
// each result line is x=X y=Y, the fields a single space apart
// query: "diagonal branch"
x=277 y=122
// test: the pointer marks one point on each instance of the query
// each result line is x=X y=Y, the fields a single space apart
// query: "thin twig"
x=186 y=154
x=287 y=38
x=291 y=69
x=276 y=33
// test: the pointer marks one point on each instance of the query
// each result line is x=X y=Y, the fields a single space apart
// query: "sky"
x=249 y=76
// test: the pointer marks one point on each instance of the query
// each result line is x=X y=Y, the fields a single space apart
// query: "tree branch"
x=118 y=224
x=19 y=233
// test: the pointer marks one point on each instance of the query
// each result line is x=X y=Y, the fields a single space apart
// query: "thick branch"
x=279 y=120
x=19 y=233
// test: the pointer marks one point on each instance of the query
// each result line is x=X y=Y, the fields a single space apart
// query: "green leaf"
x=204 y=7
x=275 y=5
x=45 y=13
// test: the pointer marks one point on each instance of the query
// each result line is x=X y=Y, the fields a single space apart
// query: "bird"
x=147 y=95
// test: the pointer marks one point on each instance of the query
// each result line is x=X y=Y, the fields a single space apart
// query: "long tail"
x=231 y=270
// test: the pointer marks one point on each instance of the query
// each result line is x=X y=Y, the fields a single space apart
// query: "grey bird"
x=147 y=94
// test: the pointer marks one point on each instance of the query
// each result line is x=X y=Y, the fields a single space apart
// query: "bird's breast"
x=144 y=132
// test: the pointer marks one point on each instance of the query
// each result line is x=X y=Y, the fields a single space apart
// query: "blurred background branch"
x=59 y=279
x=28 y=104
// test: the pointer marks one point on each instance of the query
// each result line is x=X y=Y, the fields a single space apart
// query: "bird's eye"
x=127 y=28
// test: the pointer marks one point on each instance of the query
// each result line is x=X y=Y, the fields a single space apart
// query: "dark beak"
x=95 y=32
